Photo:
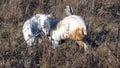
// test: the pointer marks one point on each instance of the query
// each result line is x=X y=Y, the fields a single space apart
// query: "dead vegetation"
x=103 y=39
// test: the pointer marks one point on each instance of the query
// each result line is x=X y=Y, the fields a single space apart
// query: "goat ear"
x=49 y=15
x=82 y=31
x=37 y=16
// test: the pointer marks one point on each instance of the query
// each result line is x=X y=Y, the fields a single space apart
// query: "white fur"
x=34 y=26
x=66 y=26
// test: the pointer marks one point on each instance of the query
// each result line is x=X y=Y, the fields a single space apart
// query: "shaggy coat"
x=71 y=27
x=36 y=25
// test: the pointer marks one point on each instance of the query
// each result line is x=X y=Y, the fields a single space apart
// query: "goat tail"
x=69 y=10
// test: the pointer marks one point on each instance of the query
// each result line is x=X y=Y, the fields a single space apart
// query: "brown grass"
x=103 y=39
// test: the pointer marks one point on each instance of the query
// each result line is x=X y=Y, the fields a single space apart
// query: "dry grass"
x=103 y=39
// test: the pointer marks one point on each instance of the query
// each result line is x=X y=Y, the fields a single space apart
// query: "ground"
x=103 y=39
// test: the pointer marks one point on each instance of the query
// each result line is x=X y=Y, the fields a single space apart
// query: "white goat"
x=71 y=27
x=34 y=26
